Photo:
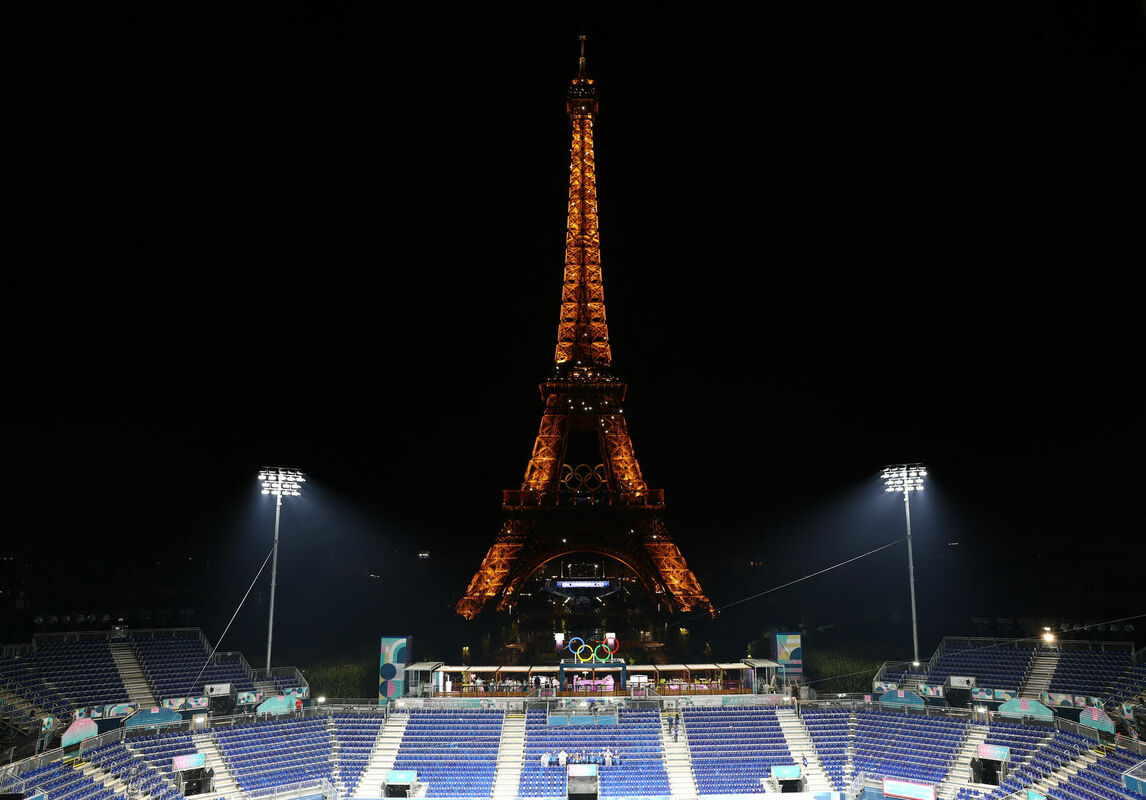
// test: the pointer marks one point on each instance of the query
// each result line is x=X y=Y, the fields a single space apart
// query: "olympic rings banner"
x=603 y=652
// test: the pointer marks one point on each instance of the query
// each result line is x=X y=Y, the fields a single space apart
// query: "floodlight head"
x=282 y=482
x=903 y=478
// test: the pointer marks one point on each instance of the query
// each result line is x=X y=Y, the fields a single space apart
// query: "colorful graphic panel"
x=79 y=730
x=1005 y=694
x=901 y=697
x=790 y=654
x=247 y=698
x=392 y=668
x=197 y=702
x=120 y=709
x=930 y=691
x=1096 y=718
x=175 y=703
x=879 y=687
x=982 y=694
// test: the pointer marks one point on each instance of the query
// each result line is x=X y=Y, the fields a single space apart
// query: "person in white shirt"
x=545 y=759
x=562 y=757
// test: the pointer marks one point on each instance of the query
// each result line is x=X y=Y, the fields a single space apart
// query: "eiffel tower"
x=583 y=491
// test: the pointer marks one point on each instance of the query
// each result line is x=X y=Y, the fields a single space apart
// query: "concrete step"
x=132 y=674
x=224 y=780
x=382 y=756
x=801 y=745
x=510 y=758
x=678 y=761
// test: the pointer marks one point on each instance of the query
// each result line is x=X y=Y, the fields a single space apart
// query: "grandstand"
x=1107 y=671
x=734 y=749
x=454 y=751
x=635 y=737
x=463 y=747
x=58 y=674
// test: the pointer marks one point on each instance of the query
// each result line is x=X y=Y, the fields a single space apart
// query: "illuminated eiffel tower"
x=583 y=491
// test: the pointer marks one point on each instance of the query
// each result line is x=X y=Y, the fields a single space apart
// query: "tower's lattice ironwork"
x=583 y=490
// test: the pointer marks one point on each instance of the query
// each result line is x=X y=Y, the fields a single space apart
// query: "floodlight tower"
x=280 y=482
x=907 y=478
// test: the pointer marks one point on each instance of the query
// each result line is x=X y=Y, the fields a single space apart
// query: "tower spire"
x=582 y=333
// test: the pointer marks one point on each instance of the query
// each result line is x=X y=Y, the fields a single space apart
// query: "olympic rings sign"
x=585 y=652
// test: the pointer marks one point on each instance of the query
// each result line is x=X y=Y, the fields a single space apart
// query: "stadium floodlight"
x=280 y=482
x=907 y=478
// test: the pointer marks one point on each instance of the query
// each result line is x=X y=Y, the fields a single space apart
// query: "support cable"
x=216 y=647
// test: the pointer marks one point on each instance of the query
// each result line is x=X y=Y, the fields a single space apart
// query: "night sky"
x=833 y=238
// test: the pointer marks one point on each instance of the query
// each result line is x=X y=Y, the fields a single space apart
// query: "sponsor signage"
x=995 y=752
x=787 y=772
x=582 y=584
x=188 y=761
x=582 y=770
x=893 y=787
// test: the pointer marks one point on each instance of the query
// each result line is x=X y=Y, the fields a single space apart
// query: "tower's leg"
x=495 y=567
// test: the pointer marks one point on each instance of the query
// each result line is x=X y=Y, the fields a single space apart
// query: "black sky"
x=833 y=238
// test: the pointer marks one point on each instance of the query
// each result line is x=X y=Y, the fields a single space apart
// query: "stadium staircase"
x=382 y=756
x=509 y=758
x=102 y=776
x=225 y=783
x=132 y=674
x=1039 y=678
x=959 y=776
x=1065 y=772
x=800 y=743
x=678 y=763
x=268 y=688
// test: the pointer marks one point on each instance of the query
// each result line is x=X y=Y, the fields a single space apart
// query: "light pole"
x=281 y=483
x=907 y=478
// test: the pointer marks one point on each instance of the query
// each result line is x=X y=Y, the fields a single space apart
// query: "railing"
x=670 y=690
x=518 y=498
x=321 y=786
x=1100 y=737
x=363 y=704
x=291 y=674
x=55 y=754
x=879 y=673
x=234 y=655
x=126 y=633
